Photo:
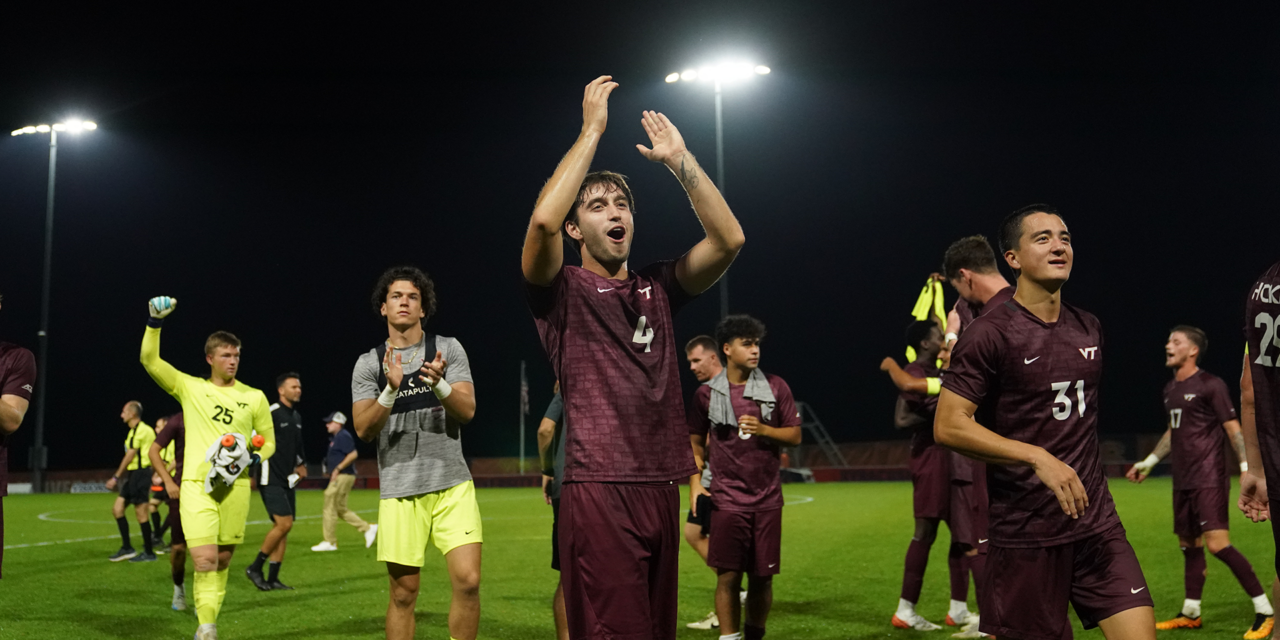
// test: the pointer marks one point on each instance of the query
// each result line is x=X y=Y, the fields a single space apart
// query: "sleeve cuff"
x=155 y=323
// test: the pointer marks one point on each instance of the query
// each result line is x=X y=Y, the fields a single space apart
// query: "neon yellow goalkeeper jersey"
x=209 y=410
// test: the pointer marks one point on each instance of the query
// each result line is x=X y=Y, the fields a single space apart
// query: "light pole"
x=718 y=74
x=38 y=457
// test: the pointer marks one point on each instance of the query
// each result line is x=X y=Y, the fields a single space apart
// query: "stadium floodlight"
x=39 y=457
x=723 y=72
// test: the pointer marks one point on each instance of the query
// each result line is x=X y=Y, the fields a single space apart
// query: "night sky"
x=264 y=168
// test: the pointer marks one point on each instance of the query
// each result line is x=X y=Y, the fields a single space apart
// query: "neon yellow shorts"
x=447 y=519
x=214 y=518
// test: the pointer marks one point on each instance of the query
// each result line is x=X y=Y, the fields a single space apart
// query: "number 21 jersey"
x=1037 y=383
x=1262 y=335
x=612 y=347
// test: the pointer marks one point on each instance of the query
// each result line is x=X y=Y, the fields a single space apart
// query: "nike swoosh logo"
x=598 y=289
x=468 y=533
x=983 y=540
x=1136 y=590
x=1203 y=522
x=773 y=565
x=1025 y=361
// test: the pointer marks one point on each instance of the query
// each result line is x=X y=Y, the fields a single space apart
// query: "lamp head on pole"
x=723 y=72
x=73 y=125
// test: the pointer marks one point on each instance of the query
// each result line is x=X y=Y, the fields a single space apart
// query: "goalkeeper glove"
x=161 y=306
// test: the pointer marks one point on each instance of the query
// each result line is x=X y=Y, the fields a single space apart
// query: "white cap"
x=337 y=417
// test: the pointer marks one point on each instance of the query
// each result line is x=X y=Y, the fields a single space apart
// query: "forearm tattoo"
x=1237 y=441
x=1164 y=446
x=688 y=173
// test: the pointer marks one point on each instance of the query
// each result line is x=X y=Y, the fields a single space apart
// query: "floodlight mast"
x=38 y=458
x=716 y=74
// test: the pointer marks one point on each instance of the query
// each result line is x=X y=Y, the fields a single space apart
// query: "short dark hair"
x=705 y=341
x=973 y=253
x=1196 y=336
x=739 y=326
x=220 y=339
x=612 y=182
x=1011 y=228
x=413 y=275
x=284 y=377
x=918 y=331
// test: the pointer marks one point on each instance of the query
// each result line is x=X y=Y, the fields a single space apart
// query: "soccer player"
x=1198 y=405
x=339 y=463
x=608 y=334
x=413 y=392
x=745 y=417
x=173 y=438
x=216 y=406
x=133 y=477
x=276 y=482
x=551 y=453
x=158 y=494
x=1022 y=395
x=704 y=362
x=17 y=380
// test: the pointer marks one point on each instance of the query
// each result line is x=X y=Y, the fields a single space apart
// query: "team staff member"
x=215 y=406
x=17 y=379
x=276 y=482
x=133 y=477
x=173 y=437
x=340 y=464
x=704 y=362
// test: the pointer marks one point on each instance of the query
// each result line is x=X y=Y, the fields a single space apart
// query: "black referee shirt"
x=288 y=455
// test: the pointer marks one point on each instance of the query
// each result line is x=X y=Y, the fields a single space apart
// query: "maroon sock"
x=1244 y=571
x=1193 y=572
x=978 y=566
x=913 y=574
x=959 y=571
x=751 y=632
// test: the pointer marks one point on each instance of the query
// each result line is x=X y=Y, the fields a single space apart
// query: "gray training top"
x=420 y=448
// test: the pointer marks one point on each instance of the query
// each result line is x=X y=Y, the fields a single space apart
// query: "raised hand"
x=161 y=306
x=595 y=104
x=393 y=367
x=668 y=144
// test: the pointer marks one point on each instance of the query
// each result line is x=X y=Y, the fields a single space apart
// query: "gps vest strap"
x=414 y=393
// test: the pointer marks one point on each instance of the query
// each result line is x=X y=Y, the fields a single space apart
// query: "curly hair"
x=414 y=276
x=739 y=326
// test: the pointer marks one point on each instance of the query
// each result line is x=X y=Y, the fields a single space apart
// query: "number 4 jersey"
x=1037 y=383
x=612 y=347
x=1262 y=336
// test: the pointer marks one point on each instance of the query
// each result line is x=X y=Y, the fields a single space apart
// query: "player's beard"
x=606 y=252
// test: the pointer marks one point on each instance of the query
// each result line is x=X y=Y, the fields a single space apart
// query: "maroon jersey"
x=175 y=431
x=921 y=404
x=1197 y=408
x=1037 y=383
x=969 y=311
x=611 y=345
x=17 y=378
x=746 y=476
x=1262 y=339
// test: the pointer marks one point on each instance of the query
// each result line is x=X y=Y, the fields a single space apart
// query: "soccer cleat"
x=710 y=622
x=1262 y=626
x=1180 y=621
x=276 y=585
x=325 y=546
x=208 y=631
x=179 y=601
x=143 y=557
x=257 y=579
x=962 y=621
x=971 y=633
x=369 y=536
x=123 y=554
x=916 y=622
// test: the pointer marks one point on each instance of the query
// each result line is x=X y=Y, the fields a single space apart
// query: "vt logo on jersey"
x=646 y=291
x=1089 y=352
x=1188 y=396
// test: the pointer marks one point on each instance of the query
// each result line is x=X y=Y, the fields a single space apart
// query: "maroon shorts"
x=555 y=534
x=1196 y=511
x=746 y=541
x=968 y=517
x=176 y=535
x=1028 y=589
x=619 y=547
x=931 y=483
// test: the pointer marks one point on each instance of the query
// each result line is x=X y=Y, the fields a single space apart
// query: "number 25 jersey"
x=612 y=347
x=1037 y=383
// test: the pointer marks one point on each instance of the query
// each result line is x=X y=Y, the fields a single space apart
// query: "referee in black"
x=276 y=479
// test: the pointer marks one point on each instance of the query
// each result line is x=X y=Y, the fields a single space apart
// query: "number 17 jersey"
x=612 y=347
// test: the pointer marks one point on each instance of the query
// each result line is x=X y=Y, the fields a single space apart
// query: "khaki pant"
x=335 y=506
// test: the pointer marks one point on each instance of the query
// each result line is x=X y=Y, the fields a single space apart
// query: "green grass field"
x=843 y=546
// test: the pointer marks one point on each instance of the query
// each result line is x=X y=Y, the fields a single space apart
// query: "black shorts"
x=279 y=501
x=135 y=486
x=703 y=519
x=555 y=534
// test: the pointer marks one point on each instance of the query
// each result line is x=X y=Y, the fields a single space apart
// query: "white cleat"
x=207 y=632
x=709 y=622
x=179 y=601
x=325 y=546
x=370 y=535
x=972 y=633
x=914 y=621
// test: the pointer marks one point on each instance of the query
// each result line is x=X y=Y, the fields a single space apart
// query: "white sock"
x=906 y=609
x=732 y=636
x=1263 y=606
x=959 y=610
x=1191 y=608
x=179 y=591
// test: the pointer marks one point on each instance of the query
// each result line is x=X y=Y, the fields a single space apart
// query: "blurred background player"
x=608 y=333
x=551 y=454
x=158 y=495
x=704 y=362
x=133 y=477
x=276 y=483
x=17 y=380
x=1021 y=394
x=173 y=437
x=213 y=512
x=340 y=464
x=969 y=264
x=1200 y=409
x=414 y=393
x=745 y=417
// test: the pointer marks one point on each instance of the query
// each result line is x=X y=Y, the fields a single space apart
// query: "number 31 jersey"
x=612 y=347
x=1037 y=383
x=1262 y=336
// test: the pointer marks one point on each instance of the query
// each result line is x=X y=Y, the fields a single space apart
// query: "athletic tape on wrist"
x=155 y=323
x=1244 y=467
x=442 y=389
x=388 y=397
x=1150 y=462
x=951 y=337
x=934 y=385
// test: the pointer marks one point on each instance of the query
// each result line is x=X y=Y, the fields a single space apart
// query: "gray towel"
x=757 y=389
x=226 y=464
